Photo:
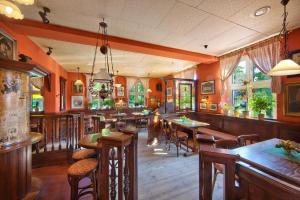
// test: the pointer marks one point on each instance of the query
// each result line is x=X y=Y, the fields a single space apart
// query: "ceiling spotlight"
x=44 y=15
x=205 y=46
x=49 y=52
x=262 y=11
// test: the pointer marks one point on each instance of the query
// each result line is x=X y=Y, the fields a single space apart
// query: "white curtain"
x=227 y=67
x=266 y=55
x=190 y=73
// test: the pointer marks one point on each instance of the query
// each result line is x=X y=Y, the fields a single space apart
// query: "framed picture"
x=8 y=46
x=120 y=91
x=295 y=56
x=169 y=92
x=77 y=102
x=203 y=106
x=292 y=99
x=77 y=89
x=208 y=87
x=213 y=107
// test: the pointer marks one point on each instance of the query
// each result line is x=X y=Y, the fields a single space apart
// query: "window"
x=246 y=80
x=137 y=95
x=37 y=99
x=185 y=96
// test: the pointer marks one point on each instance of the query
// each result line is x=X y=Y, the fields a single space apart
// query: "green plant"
x=261 y=102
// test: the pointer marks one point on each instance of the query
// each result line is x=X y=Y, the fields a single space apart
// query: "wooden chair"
x=177 y=137
x=222 y=144
x=141 y=122
x=244 y=140
x=79 y=170
x=207 y=156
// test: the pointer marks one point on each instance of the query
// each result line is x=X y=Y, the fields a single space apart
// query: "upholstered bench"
x=217 y=134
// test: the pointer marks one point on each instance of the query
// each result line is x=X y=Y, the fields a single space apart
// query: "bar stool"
x=79 y=170
x=83 y=154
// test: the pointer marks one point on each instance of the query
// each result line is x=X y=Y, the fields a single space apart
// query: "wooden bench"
x=216 y=134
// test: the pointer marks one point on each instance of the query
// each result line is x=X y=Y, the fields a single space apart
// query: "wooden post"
x=121 y=148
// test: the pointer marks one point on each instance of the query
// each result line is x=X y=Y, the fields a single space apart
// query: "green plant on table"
x=288 y=146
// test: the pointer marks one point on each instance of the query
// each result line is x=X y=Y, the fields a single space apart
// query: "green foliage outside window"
x=136 y=96
x=185 y=96
x=259 y=75
x=239 y=75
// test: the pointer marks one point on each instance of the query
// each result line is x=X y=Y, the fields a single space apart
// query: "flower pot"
x=236 y=113
x=245 y=114
x=261 y=116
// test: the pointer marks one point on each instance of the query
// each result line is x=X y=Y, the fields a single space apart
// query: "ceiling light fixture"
x=49 y=52
x=10 y=10
x=287 y=66
x=262 y=11
x=25 y=2
x=78 y=82
x=105 y=75
x=44 y=15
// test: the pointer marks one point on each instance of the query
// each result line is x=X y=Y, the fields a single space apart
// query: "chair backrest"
x=226 y=144
x=244 y=140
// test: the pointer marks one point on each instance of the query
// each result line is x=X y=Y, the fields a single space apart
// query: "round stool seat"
x=83 y=154
x=82 y=167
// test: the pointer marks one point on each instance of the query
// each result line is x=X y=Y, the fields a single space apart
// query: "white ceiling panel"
x=186 y=19
x=193 y=3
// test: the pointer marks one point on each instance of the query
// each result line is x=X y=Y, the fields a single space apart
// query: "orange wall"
x=121 y=80
x=293 y=44
x=155 y=94
x=29 y=48
x=208 y=72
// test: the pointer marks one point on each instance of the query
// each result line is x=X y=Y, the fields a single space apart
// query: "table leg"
x=194 y=140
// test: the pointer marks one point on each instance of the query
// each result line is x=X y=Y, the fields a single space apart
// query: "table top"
x=266 y=157
x=188 y=123
x=90 y=141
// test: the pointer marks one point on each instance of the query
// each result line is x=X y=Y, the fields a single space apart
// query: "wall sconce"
x=204 y=99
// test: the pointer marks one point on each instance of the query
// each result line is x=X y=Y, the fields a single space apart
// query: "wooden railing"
x=61 y=133
x=118 y=170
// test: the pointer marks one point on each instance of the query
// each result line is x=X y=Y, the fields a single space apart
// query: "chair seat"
x=82 y=167
x=181 y=134
x=83 y=154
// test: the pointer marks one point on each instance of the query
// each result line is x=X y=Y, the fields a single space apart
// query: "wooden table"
x=265 y=157
x=192 y=125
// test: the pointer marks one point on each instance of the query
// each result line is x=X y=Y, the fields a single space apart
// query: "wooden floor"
x=162 y=175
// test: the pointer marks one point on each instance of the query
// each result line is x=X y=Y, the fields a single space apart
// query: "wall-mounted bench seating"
x=216 y=134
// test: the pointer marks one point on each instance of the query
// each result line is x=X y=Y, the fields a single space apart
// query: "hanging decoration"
x=286 y=66
x=104 y=76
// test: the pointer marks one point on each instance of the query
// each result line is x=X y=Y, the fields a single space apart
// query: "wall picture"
x=208 y=87
x=7 y=46
x=77 y=89
x=213 y=107
x=292 y=99
x=203 y=106
x=295 y=56
x=77 y=102
x=120 y=91
x=169 y=92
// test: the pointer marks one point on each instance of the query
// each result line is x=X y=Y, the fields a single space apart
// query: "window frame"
x=136 y=94
x=254 y=84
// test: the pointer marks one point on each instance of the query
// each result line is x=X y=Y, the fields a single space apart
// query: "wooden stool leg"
x=74 y=188
x=95 y=186
x=187 y=144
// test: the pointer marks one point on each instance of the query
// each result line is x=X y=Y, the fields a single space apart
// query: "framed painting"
x=169 y=92
x=203 y=106
x=292 y=99
x=8 y=46
x=208 y=87
x=213 y=107
x=295 y=56
x=77 y=102
x=120 y=91
x=77 y=89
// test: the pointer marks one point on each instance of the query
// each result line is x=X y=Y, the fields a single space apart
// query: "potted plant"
x=261 y=102
x=236 y=111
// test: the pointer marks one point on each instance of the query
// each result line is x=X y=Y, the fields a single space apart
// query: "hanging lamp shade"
x=78 y=82
x=285 y=67
x=10 y=10
x=25 y=2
